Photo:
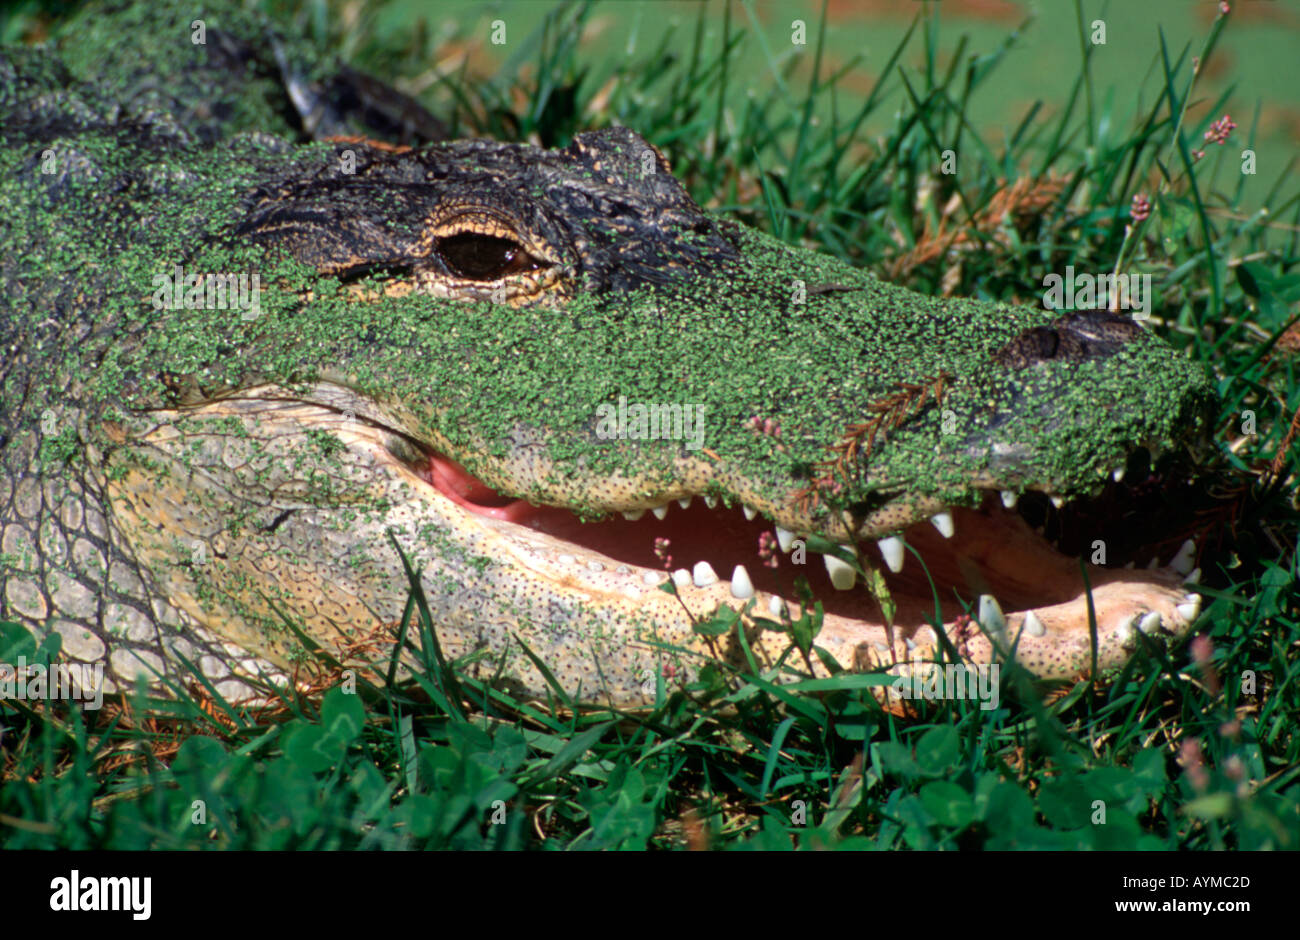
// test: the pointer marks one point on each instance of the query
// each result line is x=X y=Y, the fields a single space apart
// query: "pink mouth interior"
x=1001 y=551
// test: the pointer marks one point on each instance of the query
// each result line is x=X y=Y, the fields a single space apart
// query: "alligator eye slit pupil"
x=484 y=257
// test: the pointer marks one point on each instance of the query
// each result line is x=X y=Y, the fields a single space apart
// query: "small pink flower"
x=1220 y=129
x=1234 y=768
x=1224 y=9
x=767 y=546
x=1189 y=755
x=661 y=551
x=1197 y=155
x=1203 y=653
x=1141 y=208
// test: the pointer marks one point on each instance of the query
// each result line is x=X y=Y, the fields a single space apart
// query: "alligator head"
x=557 y=386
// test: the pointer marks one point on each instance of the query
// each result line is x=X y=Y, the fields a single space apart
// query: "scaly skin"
x=175 y=484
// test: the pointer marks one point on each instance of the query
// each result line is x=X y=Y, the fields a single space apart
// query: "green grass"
x=1193 y=747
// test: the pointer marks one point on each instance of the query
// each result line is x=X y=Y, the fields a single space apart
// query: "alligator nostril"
x=1035 y=345
x=1100 y=326
x=1089 y=334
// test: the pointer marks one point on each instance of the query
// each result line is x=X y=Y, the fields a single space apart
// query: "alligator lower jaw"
x=716 y=556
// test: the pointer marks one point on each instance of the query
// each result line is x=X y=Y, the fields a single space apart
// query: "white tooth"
x=684 y=502
x=943 y=522
x=1117 y=474
x=843 y=577
x=775 y=605
x=595 y=566
x=704 y=575
x=1154 y=563
x=990 y=614
x=711 y=502
x=750 y=512
x=1034 y=626
x=651 y=577
x=565 y=559
x=784 y=538
x=892 y=551
x=1190 y=607
x=1009 y=499
x=1058 y=501
x=1150 y=623
x=1185 y=560
x=741 y=587
x=660 y=512
x=681 y=577
x=1194 y=577
x=632 y=515
x=1124 y=632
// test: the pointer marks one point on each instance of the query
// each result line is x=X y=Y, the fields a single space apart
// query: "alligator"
x=257 y=383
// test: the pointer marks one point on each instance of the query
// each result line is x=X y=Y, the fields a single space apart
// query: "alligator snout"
x=1091 y=334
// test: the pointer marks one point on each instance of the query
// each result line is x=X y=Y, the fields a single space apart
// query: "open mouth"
x=995 y=563
x=1007 y=575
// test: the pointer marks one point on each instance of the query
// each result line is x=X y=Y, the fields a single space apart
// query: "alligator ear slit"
x=359 y=272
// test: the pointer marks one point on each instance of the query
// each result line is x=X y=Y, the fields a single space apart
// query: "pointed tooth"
x=1149 y=623
x=632 y=515
x=1124 y=629
x=1009 y=499
x=704 y=575
x=775 y=605
x=943 y=522
x=660 y=512
x=1034 y=626
x=990 y=614
x=750 y=512
x=741 y=587
x=1190 y=607
x=1154 y=563
x=681 y=577
x=1194 y=577
x=892 y=551
x=684 y=502
x=711 y=502
x=1057 y=501
x=784 y=538
x=1185 y=560
x=843 y=576
x=1118 y=473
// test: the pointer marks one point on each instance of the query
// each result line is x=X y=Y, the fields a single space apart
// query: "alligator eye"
x=478 y=257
